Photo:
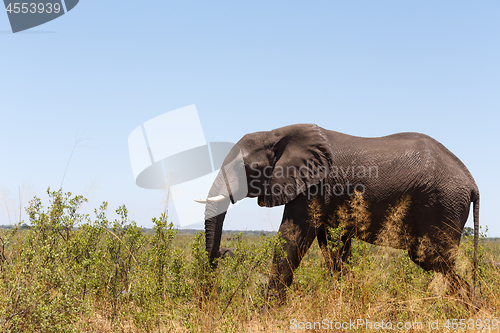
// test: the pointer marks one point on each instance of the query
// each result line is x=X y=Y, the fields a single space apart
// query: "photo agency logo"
x=170 y=152
x=26 y=15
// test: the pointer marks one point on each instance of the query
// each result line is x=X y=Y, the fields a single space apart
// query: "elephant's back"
x=406 y=159
x=386 y=148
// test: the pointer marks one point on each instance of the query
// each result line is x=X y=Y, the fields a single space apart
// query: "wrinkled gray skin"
x=419 y=186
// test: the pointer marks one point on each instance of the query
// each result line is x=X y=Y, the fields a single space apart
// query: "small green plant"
x=335 y=234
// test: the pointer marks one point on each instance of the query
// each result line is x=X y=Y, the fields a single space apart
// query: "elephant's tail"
x=475 y=200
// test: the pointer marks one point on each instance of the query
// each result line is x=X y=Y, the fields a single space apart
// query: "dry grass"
x=72 y=280
x=385 y=286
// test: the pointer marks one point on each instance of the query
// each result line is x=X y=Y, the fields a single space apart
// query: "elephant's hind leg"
x=439 y=255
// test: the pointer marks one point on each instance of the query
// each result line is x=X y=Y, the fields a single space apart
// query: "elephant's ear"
x=303 y=158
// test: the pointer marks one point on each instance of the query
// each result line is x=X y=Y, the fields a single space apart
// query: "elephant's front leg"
x=298 y=235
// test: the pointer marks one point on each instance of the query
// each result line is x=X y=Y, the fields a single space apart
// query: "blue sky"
x=366 y=68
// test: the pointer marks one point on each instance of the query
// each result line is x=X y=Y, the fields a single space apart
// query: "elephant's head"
x=273 y=166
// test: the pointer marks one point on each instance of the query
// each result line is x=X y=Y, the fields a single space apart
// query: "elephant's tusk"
x=218 y=198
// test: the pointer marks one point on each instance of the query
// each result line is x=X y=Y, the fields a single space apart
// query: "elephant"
x=406 y=191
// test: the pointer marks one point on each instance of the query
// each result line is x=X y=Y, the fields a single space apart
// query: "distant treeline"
x=234 y=233
x=226 y=233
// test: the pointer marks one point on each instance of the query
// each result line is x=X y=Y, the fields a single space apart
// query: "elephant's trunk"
x=213 y=232
x=230 y=185
x=215 y=212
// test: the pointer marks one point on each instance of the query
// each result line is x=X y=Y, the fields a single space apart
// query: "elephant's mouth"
x=219 y=197
x=228 y=187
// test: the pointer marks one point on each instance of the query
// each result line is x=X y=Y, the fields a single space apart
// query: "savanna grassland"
x=71 y=272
